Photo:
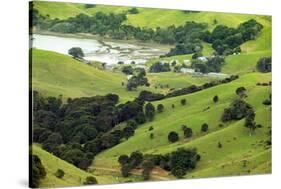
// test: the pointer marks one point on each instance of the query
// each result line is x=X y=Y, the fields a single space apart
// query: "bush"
x=76 y=52
x=204 y=127
x=219 y=145
x=216 y=99
x=149 y=111
x=187 y=132
x=264 y=64
x=123 y=159
x=90 y=180
x=173 y=137
x=160 y=108
x=59 y=173
x=133 y=11
x=178 y=172
x=183 y=102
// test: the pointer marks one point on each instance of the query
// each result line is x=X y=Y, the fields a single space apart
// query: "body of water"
x=110 y=52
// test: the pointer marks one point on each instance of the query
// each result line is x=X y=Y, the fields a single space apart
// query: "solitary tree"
x=59 y=173
x=149 y=111
x=187 y=132
x=90 y=180
x=173 y=137
x=204 y=127
x=240 y=91
x=216 y=99
x=76 y=52
x=160 y=108
x=183 y=102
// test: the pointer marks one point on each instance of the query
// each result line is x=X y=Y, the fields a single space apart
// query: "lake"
x=108 y=51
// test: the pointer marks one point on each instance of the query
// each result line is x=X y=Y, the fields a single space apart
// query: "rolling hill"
x=55 y=74
x=161 y=17
x=232 y=136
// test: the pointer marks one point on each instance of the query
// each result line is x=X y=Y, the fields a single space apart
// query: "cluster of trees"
x=226 y=40
x=138 y=79
x=159 y=67
x=213 y=64
x=264 y=64
x=194 y=88
x=237 y=110
x=37 y=172
x=150 y=96
x=177 y=162
x=79 y=129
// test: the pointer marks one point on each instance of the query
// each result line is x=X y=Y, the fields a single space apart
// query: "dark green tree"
x=204 y=127
x=76 y=52
x=149 y=111
x=60 y=173
x=173 y=137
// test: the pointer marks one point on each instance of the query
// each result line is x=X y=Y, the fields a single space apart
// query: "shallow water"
x=110 y=52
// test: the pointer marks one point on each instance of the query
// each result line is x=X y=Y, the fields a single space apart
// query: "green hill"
x=232 y=136
x=161 y=17
x=73 y=176
x=56 y=74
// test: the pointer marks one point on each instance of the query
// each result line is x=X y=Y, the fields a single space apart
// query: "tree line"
x=186 y=38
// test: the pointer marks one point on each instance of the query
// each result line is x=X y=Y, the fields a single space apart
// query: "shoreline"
x=96 y=37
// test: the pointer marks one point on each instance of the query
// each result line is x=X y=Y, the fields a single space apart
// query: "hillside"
x=73 y=176
x=232 y=136
x=143 y=18
x=56 y=74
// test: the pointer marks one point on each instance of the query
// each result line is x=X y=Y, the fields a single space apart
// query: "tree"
x=125 y=170
x=123 y=159
x=128 y=132
x=183 y=102
x=60 y=173
x=38 y=171
x=219 y=145
x=204 y=127
x=128 y=70
x=178 y=172
x=187 y=132
x=160 y=108
x=149 y=111
x=76 y=52
x=136 y=158
x=216 y=99
x=183 y=160
x=133 y=10
x=90 y=180
x=237 y=110
x=173 y=137
x=264 y=64
x=240 y=91
x=250 y=121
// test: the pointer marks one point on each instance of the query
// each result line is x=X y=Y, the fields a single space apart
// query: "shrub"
x=264 y=64
x=59 y=173
x=216 y=99
x=183 y=102
x=160 y=108
x=219 y=145
x=187 y=132
x=90 y=180
x=204 y=127
x=178 y=172
x=76 y=52
x=173 y=137
x=123 y=159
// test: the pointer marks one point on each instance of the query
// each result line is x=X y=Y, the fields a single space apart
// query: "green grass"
x=193 y=115
x=55 y=74
x=73 y=176
x=161 y=17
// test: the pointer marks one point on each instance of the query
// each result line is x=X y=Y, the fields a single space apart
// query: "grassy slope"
x=161 y=17
x=56 y=74
x=73 y=176
x=193 y=115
